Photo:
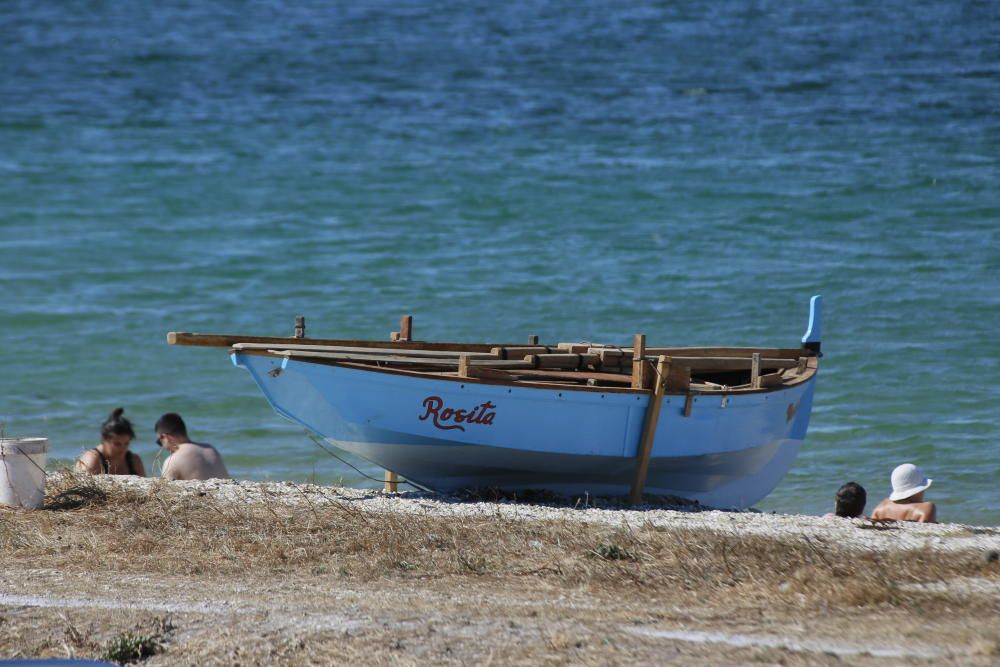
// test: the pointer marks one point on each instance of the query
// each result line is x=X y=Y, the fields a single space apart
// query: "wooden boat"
x=717 y=425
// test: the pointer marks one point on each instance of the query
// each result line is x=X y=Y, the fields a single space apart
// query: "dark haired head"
x=171 y=424
x=116 y=424
x=851 y=499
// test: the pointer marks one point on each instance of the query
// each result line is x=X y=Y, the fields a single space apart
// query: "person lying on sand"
x=187 y=460
x=906 y=502
x=850 y=501
x=112 y=457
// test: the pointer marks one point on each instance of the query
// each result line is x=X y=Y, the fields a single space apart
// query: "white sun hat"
x=907 y=480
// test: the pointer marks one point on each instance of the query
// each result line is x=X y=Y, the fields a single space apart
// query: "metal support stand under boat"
x=649 y=430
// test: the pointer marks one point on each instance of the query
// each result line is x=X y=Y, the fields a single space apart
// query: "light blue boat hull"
x=730 y=452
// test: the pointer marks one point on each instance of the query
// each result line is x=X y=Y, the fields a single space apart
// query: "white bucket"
x=22 y=471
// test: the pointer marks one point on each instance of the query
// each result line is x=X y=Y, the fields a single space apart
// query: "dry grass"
x=158 y=532
x=443 y=590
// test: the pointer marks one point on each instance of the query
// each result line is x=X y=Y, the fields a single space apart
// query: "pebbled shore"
x=859 y=534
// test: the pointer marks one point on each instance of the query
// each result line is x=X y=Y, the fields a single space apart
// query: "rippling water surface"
x=693 y=171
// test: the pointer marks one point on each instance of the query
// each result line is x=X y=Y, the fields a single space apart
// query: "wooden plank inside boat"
x=451 y=361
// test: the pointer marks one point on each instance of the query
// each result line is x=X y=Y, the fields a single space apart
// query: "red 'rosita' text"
x=481 y=414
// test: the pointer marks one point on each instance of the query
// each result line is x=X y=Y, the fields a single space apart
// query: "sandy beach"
x=231 y=572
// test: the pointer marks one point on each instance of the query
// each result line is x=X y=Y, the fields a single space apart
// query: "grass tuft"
x=130 y=647
x=134 y=646
x=613 y=552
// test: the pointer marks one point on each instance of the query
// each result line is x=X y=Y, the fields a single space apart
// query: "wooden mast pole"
x=649 y=430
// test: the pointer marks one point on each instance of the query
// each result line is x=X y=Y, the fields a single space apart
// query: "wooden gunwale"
x=582 y=376
x=182 y=338
x=567 y=361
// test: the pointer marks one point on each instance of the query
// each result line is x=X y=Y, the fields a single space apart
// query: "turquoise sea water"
x=582 y=171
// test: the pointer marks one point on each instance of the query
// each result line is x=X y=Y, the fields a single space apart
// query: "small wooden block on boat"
x=679 y=378
x=573 y=348
x=577 y=361
x=770 y=380
x=519 y=352
x=405 y=328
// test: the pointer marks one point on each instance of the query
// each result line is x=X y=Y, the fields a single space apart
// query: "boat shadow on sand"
x=547 y=498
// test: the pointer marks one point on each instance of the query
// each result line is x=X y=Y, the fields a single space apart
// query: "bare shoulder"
x=881 y=510
x=170 y=467
x=89 y=462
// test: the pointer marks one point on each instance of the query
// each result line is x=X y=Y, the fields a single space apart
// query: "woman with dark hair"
x=112 y=457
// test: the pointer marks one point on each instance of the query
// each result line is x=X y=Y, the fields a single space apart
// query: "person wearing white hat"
x=906 y=502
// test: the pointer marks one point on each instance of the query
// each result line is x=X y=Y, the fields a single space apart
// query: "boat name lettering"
x=481 y=414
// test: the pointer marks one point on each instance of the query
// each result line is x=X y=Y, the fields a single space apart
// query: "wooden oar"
x=649 y=430
x=347 y=349
x=228 y=340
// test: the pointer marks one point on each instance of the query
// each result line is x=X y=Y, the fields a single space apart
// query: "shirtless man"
x=906 y=502
x=187 y=460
